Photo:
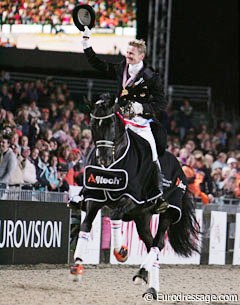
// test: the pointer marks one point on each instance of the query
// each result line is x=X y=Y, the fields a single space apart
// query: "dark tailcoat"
x=145 y=89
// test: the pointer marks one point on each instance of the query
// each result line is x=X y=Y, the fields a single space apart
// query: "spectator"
x=232 y=163
x=220 y=162
x=24 y=142
x=185 y=118
x=183 y=155
x=8 y=161
x=62 y=172
x=6 y=99
x=34 y=111
x=53 y=146
x=76 y=133
x=194 y=183
x=28 y=168
x=44 y=122
x=63 y=155
x=16 y=177
x=203 y=174
x=42 y=170
x=53 y=174
x=217 y=187
x=23 y=119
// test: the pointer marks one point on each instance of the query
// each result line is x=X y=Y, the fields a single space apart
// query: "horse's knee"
x=116 y=214
x=159 y=244
x=86 y=226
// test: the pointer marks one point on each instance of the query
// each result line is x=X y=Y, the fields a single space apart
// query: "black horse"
x=118 y=150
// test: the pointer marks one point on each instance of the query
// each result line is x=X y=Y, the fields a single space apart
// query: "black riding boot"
x=161 y=204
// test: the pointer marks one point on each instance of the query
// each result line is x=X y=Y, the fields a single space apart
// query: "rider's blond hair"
x=139 y=44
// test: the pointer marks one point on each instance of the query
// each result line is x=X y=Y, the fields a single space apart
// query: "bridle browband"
x=102 y=117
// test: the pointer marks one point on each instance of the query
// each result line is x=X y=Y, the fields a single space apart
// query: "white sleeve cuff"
x=86 y=44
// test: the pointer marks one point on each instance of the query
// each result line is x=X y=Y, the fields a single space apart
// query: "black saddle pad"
x=137 y=162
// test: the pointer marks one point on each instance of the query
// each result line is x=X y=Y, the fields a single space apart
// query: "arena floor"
x=110 y=285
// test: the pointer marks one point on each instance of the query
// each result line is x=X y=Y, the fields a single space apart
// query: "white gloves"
x=86 y=35
x=137 y=108
x=87 y=32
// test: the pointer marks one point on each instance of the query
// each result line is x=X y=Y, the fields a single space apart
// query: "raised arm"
x=92 y=57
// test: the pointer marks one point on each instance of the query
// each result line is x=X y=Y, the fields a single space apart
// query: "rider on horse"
x=140 y=97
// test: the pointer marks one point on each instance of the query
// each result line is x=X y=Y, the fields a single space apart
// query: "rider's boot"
x=161 y=205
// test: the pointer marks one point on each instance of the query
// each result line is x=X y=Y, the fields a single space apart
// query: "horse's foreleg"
x=144 y=232
x=153 y=280
x=151 y=263
x=83 y=237
x=120 y=251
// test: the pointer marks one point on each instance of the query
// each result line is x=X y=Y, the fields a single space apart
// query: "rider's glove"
x=137 y=108
x=86 y=35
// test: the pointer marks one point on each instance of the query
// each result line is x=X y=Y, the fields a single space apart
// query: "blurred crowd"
x=44 y=131
x=47 y=137
x=210 y=156
x=109 y=14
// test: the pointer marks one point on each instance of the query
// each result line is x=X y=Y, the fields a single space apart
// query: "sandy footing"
x=111 y=285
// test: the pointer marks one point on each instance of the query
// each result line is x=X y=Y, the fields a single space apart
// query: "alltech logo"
x=180 y=184
x=99 y=180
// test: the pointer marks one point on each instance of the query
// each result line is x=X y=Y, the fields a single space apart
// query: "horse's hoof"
x=122 y=254
x=76 y=272
x=151 y=291
x=141 y=277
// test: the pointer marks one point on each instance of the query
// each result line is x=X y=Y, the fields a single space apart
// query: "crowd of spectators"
x=51 y=138
x=109 y=14
x=210 y=157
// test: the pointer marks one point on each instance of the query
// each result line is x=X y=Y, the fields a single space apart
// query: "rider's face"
x=133 y=56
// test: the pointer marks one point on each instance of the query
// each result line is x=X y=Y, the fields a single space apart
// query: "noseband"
x=104 y=143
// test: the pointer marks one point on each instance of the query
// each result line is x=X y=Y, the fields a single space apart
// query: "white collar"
x=133 y=70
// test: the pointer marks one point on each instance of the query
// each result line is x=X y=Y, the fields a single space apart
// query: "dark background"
x=204 y=46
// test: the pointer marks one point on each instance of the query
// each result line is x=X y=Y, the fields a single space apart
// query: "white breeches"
x=145 y=133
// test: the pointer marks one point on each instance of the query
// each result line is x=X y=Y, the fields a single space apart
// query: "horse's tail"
x=183 y=236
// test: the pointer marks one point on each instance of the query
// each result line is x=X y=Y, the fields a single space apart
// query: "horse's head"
x=103 y=129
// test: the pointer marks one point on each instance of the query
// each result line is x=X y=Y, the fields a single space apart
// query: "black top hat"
x=83 y=15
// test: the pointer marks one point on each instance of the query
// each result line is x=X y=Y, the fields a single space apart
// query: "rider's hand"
x=86 y=35
x=137 y=108
x=87 y=32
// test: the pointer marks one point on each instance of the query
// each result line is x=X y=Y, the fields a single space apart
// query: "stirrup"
x=161 y=205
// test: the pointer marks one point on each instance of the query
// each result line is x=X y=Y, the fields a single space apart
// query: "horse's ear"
x=88 y=103
x=106 y=96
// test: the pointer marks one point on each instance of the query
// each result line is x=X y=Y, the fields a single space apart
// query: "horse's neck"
x=121 y=145
x=121 y=139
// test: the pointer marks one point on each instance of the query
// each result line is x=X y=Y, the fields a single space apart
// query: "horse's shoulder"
x=170 y=163
x=135 y=139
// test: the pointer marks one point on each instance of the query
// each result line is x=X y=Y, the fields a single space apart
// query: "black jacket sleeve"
x=157 y=101
x=99 y=64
